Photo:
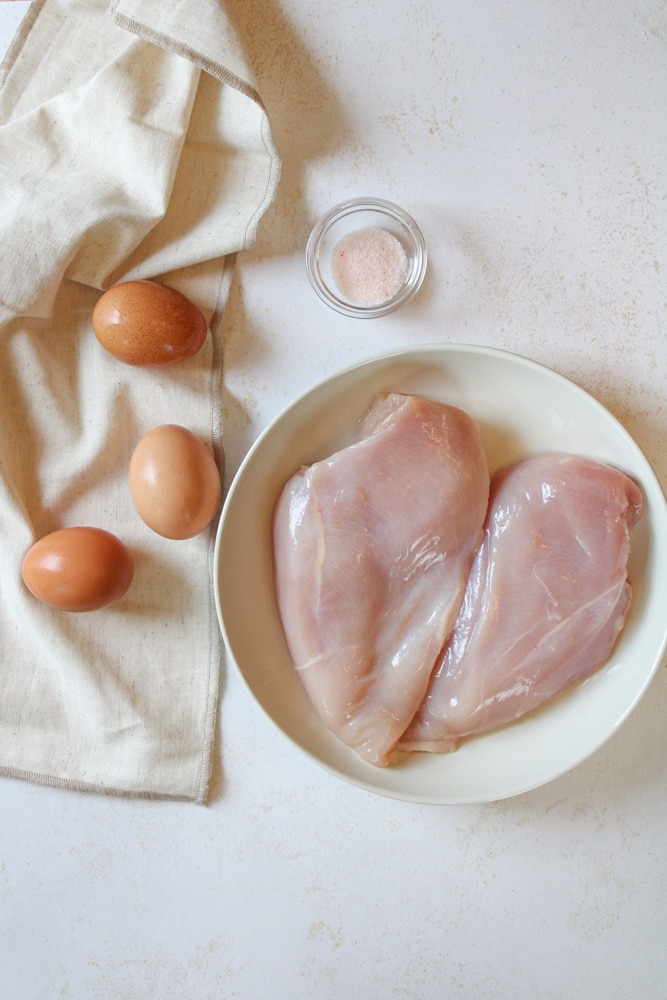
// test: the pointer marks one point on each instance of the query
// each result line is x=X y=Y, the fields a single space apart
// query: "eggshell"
x=145 y=323
x=78 y=569
x=174 y=482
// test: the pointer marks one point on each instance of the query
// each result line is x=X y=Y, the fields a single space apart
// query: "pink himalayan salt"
x=369 y=266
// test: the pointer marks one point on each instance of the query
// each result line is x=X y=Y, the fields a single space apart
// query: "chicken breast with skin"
x=372 y=548
x=547 y=597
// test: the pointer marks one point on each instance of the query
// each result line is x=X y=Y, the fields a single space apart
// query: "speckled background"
x=528 y=139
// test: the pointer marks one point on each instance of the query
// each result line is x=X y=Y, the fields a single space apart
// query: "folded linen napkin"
x=133 y=144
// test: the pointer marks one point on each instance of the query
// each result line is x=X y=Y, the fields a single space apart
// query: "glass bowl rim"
x=350 y=207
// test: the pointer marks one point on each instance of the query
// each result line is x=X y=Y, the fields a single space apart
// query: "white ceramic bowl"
x=521 y=407
x=346 y=218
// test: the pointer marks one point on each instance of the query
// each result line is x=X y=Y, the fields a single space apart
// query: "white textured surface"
x=11 y=15
x=528 y=140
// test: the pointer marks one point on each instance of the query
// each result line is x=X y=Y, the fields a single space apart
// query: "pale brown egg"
x=145 y=323
x=174 y=482
x=78 y=569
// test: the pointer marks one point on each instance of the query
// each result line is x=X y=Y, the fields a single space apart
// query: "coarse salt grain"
x=369 y=266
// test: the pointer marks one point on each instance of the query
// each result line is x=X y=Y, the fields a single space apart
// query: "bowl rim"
x=658 y=520
x=350 y=207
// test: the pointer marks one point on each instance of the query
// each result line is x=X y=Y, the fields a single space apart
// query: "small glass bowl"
x=348 y=217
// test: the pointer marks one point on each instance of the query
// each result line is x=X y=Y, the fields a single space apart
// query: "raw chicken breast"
x=373 y=547
x=547 y=597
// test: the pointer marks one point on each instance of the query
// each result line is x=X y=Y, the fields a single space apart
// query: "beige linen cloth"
x=132 y=144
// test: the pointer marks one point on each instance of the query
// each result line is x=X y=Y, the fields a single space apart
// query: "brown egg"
x=78 y=569
x=174 y=482
x=144 y=323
